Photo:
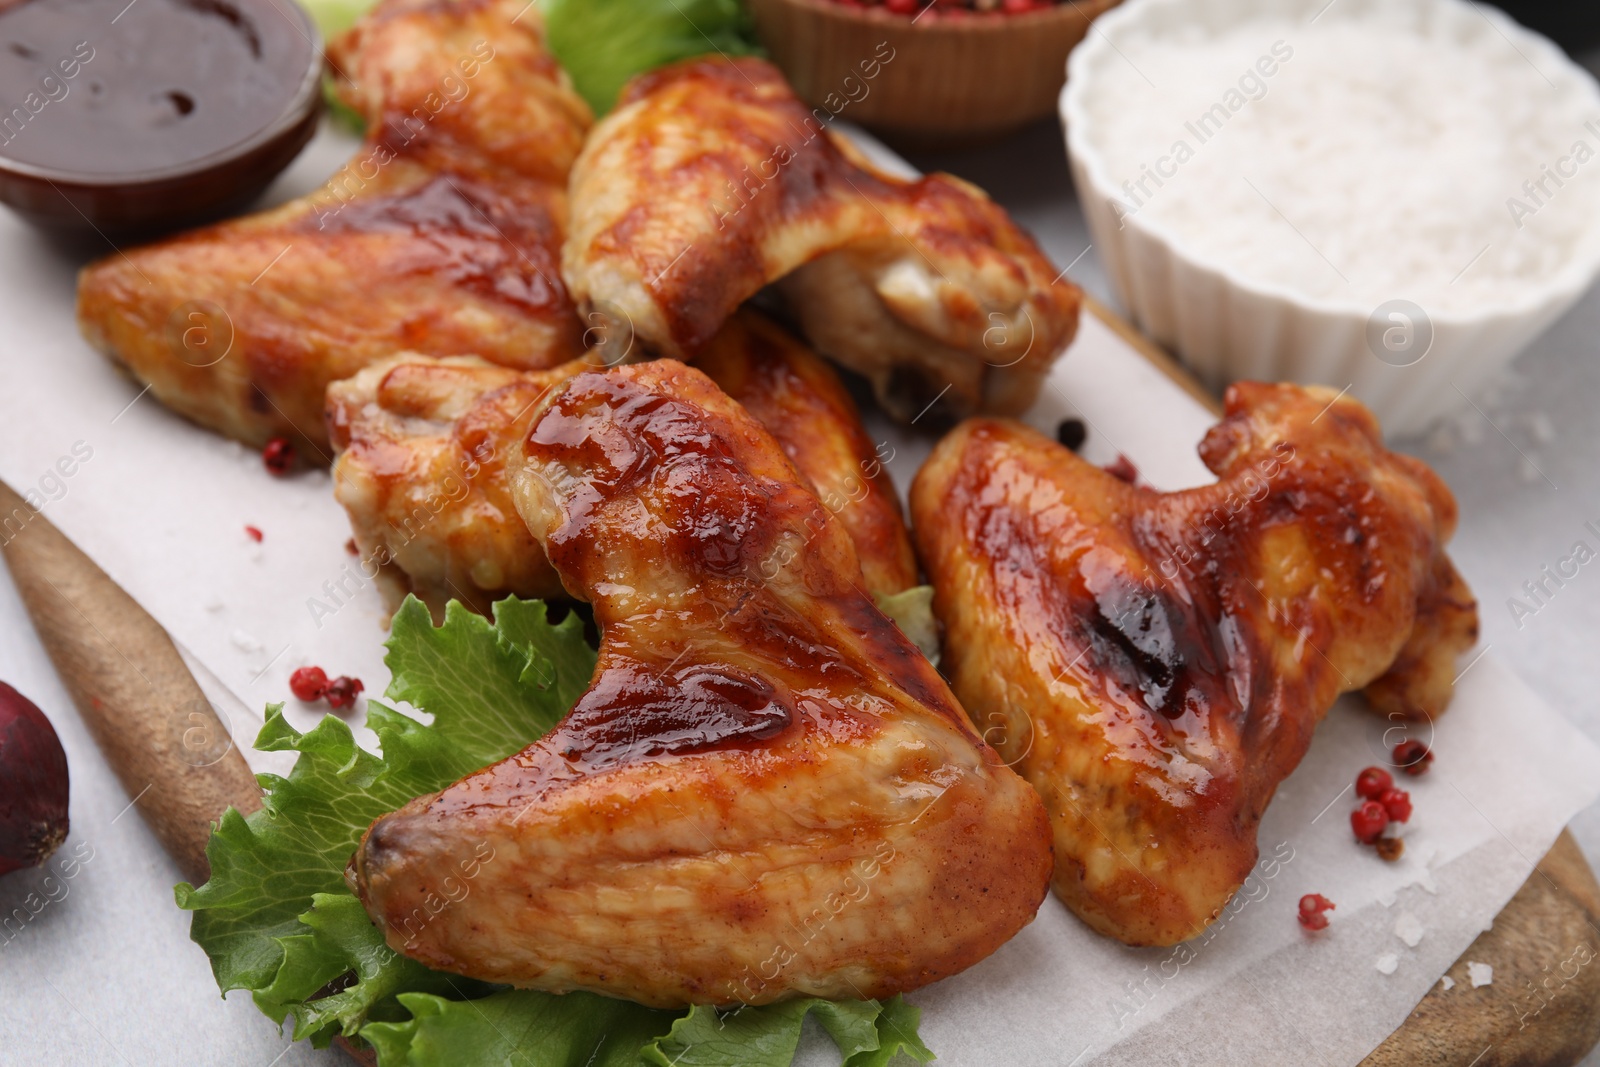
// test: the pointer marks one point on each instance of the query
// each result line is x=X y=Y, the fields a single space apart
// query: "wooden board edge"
x=1542 y=1008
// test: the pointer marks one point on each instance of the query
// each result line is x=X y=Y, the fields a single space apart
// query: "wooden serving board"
x=1554 y=918
x=1542 y=1009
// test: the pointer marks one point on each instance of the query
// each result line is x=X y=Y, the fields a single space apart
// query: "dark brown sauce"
x=496 y=246
x=441 y=205
x=109 y=87
x=634 y=713
x=623 y=435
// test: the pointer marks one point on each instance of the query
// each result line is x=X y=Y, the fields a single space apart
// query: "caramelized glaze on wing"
x=1155 y=664
x=711 y=180
x=439 y=237
x=802 y=403
x=422 y=444
x=766 y=791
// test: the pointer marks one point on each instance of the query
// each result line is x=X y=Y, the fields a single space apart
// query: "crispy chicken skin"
x=1155 y=663
x=420 y=448
x=711 y=179
x=422 y=444
x=441 y=236
x=517 y=112
x=765 y=792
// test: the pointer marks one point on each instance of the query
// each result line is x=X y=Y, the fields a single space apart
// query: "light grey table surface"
x=107 y=975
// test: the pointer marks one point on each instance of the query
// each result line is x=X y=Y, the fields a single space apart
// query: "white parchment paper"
x=162 y=506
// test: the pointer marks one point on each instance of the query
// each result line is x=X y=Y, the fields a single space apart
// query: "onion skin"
x=33 y=784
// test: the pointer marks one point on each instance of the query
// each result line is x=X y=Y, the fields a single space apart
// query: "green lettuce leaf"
x=912 y=611
x=868 y=1034
x=342 y=114
x=277 y=919
x=897 y=1037
x=333 y=17
x=603 y=43
x=481 y=684
x=517 y=1027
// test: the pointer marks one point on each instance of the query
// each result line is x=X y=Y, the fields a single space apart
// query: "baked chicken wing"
x=711 y=179
x=441 y=236
x=422 y=445
x=804 y=405
x=765 y=792
x=1155 y=663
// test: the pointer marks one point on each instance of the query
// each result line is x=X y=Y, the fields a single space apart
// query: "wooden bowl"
x=935 y=80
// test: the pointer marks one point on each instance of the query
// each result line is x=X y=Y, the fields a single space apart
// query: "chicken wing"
x=1154 y=663
x=420 y=449
x=441 y=236
x=765 y=792
x=422 y=443
x=711 y=179
x=802 y=403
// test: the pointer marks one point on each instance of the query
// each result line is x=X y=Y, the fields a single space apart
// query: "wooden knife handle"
x=155 y=727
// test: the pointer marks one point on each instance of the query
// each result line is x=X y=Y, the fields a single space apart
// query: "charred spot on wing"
x=1152 y=645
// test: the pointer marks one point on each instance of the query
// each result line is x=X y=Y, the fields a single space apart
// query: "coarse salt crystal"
x=1449 y=983
x=1425 y=857
x=1480 y=974
x=1382 y=153
x=244 y=642
x=1388 y=963
x=1408 y=928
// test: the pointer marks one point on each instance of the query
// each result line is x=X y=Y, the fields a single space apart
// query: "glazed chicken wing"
x=804 y=405
x=422 y=446
x=420 y=449
x=765 y=792
x=1155 y=663
x=441 y=236
x=711 y=180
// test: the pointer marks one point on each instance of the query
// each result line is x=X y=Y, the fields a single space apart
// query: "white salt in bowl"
x=1359 y=220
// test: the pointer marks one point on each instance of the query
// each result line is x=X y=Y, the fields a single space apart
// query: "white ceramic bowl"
x=1226 y=326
